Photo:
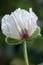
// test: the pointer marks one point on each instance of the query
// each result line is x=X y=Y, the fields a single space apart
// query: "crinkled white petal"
x=33 y=21
x=25 y=18
x=18 y=15
x=33 y=14
x=4 y=26
x=22 y=18
x=8 y=27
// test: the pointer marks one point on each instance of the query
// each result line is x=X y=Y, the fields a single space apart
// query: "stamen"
x=24 y=34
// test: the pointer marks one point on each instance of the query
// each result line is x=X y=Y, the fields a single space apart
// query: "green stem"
x=25 y=54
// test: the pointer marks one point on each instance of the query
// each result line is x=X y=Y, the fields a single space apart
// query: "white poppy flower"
x=19 y=24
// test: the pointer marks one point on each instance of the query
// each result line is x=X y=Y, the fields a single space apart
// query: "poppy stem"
x=25 y=54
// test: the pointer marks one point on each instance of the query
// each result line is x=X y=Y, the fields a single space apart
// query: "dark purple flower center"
x=24 y=34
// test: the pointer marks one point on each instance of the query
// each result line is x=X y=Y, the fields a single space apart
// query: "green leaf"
x=34 y=35
x=36 y=44
x=12 y=41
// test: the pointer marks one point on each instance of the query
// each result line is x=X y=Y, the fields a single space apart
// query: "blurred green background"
x=13 y=55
